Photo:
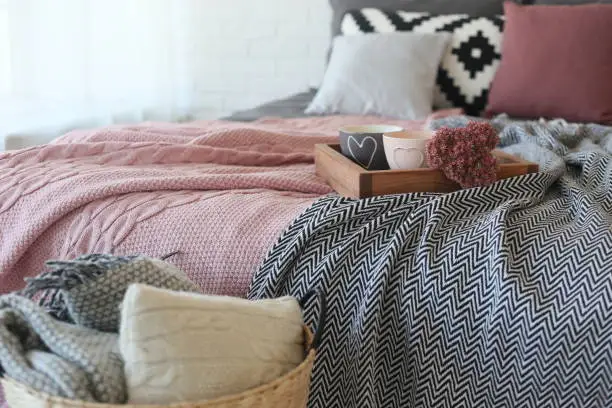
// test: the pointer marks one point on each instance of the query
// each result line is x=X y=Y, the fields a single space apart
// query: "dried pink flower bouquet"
x=464 y=154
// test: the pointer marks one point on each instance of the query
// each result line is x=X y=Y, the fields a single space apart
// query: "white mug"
x=406 y=150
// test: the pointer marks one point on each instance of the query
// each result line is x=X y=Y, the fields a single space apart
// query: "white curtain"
x=94 y=61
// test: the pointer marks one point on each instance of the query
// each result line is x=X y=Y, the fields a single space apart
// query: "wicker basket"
x=288 y=391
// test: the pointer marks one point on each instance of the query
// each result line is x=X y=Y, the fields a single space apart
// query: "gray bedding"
x=290 y=107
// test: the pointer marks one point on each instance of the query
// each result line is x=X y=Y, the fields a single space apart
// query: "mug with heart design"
x=406 y=150
x=364 y=144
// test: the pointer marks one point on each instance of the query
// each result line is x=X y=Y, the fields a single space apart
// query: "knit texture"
x=77 y=360
x=218 y=192
x=88 y=291
x=58 y=358
x=153 y=191
x=202 y=347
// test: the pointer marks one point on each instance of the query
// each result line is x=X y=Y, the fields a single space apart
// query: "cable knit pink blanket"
x=218 y=192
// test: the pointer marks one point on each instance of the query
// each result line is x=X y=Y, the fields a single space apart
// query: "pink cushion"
x=556 y=63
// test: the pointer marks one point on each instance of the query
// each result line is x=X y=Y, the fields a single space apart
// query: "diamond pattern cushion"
x=469 y=65
x=477 y=8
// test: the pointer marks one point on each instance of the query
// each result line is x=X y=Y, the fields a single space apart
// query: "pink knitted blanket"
x=218 y=192
x=220 y=197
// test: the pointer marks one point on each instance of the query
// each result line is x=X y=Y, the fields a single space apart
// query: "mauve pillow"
x=556 y=63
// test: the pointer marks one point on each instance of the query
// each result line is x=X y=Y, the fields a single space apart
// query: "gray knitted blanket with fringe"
x=65 y=343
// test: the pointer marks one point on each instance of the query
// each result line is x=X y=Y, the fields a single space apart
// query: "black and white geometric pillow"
x=468 y=67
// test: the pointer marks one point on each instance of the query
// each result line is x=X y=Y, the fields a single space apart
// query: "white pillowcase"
x=188 y=347
x=391 y=74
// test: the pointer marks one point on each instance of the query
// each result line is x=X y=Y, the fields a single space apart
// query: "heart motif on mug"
x=408 y=157
x=352 y=143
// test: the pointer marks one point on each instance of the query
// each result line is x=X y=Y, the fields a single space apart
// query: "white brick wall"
x=250 y=52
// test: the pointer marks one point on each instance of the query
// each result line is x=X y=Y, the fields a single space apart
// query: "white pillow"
x=390 y=74
x=188 y=347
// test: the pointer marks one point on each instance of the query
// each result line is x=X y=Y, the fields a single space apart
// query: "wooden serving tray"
x=351 y=180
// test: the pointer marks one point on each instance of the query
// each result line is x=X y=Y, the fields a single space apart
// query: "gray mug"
x=364 y=145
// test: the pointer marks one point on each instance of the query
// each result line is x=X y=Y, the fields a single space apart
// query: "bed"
x=220 y=255
x=496 y=296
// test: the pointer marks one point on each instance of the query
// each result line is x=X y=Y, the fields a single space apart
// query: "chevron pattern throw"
x=489 y=297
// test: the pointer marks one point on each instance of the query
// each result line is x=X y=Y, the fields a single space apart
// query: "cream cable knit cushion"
x=181 y=346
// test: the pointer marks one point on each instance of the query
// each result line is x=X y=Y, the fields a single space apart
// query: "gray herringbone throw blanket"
x=66 y=345
x=489 y=297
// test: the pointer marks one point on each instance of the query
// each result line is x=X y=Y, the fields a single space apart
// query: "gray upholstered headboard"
x=483 y=8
